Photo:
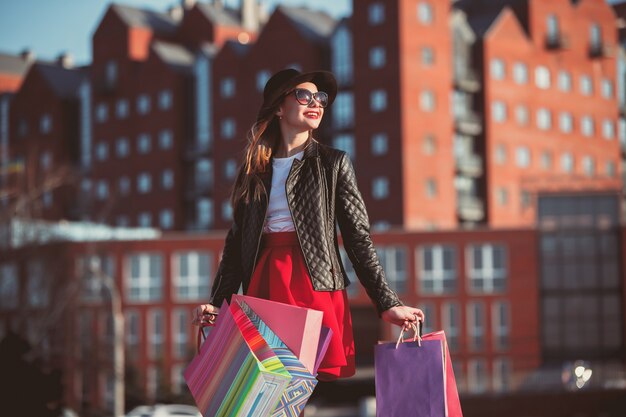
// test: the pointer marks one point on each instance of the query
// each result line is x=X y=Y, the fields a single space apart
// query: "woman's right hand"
x=205 y=315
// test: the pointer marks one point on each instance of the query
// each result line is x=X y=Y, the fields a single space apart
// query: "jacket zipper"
x=258 y=243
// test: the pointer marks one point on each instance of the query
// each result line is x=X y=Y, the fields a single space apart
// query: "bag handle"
x=417 y=333
x=201 y=337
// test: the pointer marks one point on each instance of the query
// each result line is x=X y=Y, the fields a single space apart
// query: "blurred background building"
x=489 y=140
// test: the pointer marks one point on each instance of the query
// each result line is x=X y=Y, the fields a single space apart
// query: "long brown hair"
x=263 y=139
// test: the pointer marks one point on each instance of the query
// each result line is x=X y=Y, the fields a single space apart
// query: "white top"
x=278 y=217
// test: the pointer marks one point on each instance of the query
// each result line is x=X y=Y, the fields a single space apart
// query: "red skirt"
x=281 y=275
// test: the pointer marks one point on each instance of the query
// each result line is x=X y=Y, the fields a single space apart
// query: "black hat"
x=284 y=80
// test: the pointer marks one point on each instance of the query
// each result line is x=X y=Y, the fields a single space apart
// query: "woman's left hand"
x=403 y=315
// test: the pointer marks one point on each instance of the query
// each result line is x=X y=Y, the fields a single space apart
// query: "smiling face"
x=301 y=117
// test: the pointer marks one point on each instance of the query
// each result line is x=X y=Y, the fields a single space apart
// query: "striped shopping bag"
x=231 y=378
x=302 y=384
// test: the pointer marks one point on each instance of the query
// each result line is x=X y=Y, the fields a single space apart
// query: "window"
x=46 y=198
x=451 y=323
x=122 y=221
x=431 y=188
x=500 y=154
x=166 y=219
x=497 y=69
x=145 y=277
x=227 y=210
x=589 y=166
x=46 y=160
x=522 y=157
x=165 y=99
x=427 y=101
x=204 y=213
x=428 y=56
x=477 y=376
x=343 y=110
x=144 y=143
x=608 y=129
x=501 y=322
x=521 y=115
x=230 y=169
x=45 y=124
x=228 y=128
x=102 y=190
x=124 y=185
x=429 y=145
x=595 y=37
x=180 y=331
x=102 y=151
x=102 y=113
x=565 y=81
x=9 y=287
x=476 y=325
x=487 y=271
x=341 y=55
x=566 y=122
x=586 y=126
x=37 y=285
x=121 y=108
x=610 y=169
x=133 y=333
x=502 y=196
x=166 y=139
x=261 y=79
x=553 y=28
x=378 y=100
x=393 y=260
x=586 y=85
x=143 y=104
x=167 y=179
x=377 y=57
x=437 y=269
x=380 y=188
x=520 y=73
x=345 y=143
x=498 y=111
x=542 y=77
x=502 y=371
x=546 y=160
x=376 y=14
x=380 y=144
x=424 y=13
x=144 y=183
x=544 y=119
x=192 y=272
x=156 y=333
x=122 y=147
x=144 y=219
x=567 y=162
x=607 y=88
x=227 y=87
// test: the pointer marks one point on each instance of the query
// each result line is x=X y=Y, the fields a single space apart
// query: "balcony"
x=470 y=165
x=199 y=188
x=467 y=80
x=600 y=50
x=469 y=124
x=556 y=41
x=470 y=208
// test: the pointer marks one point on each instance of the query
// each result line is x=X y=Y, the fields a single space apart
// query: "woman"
x=290 y=193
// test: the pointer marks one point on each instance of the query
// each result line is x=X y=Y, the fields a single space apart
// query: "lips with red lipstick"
x=312 y=114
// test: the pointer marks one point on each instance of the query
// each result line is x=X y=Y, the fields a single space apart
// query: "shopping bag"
x=325 y=335
x=302 y=384
x=410 y=379
x=453 y=403
x=230 y=379
x=298 y=327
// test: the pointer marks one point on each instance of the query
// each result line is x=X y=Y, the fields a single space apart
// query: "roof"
x=134 y=17
x=63 y=81
x=220 y=15
x=315 y=25
x=14 y=64
x=175 y=55
x=481 y=14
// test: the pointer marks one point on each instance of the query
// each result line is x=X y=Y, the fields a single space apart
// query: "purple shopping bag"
x=410 y=379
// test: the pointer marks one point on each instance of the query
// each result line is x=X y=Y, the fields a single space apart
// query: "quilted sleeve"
x=354 y=225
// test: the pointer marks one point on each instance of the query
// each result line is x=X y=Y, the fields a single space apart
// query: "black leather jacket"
x=321 y=192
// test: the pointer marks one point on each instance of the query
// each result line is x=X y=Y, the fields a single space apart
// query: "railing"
x=469 y=124
x=470 y=208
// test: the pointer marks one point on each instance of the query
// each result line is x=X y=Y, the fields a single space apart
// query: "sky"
x=51 y=27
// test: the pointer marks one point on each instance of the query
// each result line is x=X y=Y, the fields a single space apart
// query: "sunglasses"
x=306 y=97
